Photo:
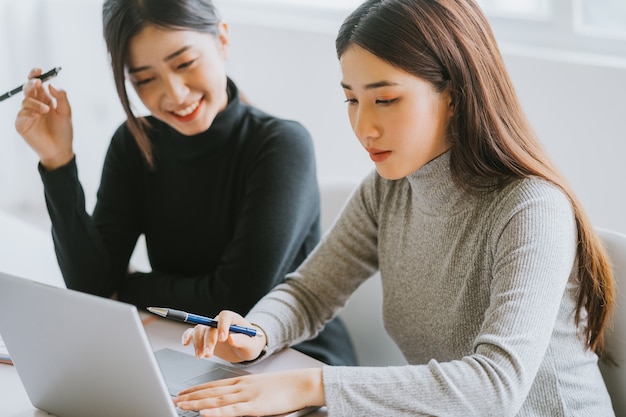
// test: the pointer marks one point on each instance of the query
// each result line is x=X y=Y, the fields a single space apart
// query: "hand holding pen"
x=170 y=313
x=43 y=77
x=44 y=120
x=225 y=341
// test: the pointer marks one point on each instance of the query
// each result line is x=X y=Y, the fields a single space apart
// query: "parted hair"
x=122 y=20
x=449 y=43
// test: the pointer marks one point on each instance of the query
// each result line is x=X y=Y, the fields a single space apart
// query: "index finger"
x=35 y=72
x=225 y=319
x=34 y=89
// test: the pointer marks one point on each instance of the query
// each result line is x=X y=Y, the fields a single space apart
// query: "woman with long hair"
x=495 y=286
x=204 y=177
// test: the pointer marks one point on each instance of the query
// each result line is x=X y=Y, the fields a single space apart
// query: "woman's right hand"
x=45 y=122
x=232 y=347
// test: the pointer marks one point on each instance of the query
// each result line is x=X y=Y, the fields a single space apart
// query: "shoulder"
x=123 y=147
x=268 y=127
x=533 y=209
x=531 y=192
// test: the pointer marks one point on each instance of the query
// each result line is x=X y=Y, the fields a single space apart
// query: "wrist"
x=51 y=163
x=313 y=384
x=263 y=351
x=262 y=343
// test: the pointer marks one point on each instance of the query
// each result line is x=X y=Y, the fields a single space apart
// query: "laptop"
x=81 y=355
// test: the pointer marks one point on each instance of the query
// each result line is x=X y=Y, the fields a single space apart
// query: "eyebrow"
x=371 y=86
x=167 y=58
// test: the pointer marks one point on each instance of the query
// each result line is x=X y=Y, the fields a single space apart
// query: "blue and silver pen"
x=43 y=77
x=183 y=316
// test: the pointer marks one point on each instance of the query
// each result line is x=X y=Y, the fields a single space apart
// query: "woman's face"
x=180 y=75
x=398 y=118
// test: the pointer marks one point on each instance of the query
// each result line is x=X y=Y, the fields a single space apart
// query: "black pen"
x=183 y=316
x=43 y=77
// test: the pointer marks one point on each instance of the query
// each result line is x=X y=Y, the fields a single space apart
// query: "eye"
x=386 y=102
x=186 y=64
x=145 y=81
x=351 y=101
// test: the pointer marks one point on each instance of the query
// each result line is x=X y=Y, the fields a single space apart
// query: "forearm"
x=79 y=249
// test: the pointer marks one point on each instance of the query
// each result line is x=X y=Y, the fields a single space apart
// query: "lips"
x=188 y=112
x=378 y=155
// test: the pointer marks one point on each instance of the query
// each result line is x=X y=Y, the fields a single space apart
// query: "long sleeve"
x=479 y=293
x=83 y=255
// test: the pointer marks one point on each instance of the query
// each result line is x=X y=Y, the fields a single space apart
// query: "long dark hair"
x=124 y=19
x=449 y=43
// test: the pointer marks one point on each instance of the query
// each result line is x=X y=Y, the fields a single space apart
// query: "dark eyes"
x=186 y=64
x=183 y=66
x=378 y=101
x=143 y=82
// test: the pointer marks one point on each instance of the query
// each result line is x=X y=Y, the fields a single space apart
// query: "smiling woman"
x=180 y=75
x=224 y=194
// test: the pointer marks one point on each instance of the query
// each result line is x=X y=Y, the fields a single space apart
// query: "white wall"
x=574 y=102
x=46 y=34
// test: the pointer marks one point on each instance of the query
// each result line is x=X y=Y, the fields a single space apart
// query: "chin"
x=389 y=174
x=189 y=129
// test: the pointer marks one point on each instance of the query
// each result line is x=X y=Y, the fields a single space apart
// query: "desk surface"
x=162 y=333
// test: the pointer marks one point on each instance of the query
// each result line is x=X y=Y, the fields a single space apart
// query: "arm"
x=257 y=394
x=44 y=121
x=533 y=249
x=92 y=258
x=298 y=388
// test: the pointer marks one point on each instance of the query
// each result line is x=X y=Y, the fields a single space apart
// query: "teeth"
x=187 y=110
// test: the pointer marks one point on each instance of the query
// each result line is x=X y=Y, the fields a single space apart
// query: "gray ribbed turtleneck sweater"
x=479 y=295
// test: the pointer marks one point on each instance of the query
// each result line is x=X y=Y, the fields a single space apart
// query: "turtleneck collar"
x=434 y=190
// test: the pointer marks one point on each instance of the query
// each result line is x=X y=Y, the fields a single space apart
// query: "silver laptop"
x=81 y=355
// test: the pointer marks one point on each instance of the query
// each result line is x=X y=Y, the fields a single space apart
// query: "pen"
x=183 y=316
x=43 y=77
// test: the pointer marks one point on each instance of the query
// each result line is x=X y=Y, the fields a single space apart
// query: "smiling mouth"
x=187 y=110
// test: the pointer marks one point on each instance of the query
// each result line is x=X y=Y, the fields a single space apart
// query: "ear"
x=222 y=39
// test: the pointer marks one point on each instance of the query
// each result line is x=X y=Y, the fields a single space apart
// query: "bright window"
x=602 y=17
x=537 y=9
x=579 y=26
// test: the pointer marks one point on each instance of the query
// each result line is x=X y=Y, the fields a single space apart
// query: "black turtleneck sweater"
x=226 y=214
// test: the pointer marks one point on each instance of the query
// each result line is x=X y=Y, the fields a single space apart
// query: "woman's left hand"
x=256 y=394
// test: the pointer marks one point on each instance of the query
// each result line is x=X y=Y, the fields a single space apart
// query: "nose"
x=364 y=123
x=175 y=89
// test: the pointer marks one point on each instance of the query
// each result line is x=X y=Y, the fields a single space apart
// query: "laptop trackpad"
x=217 y=373
x=182 y=370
